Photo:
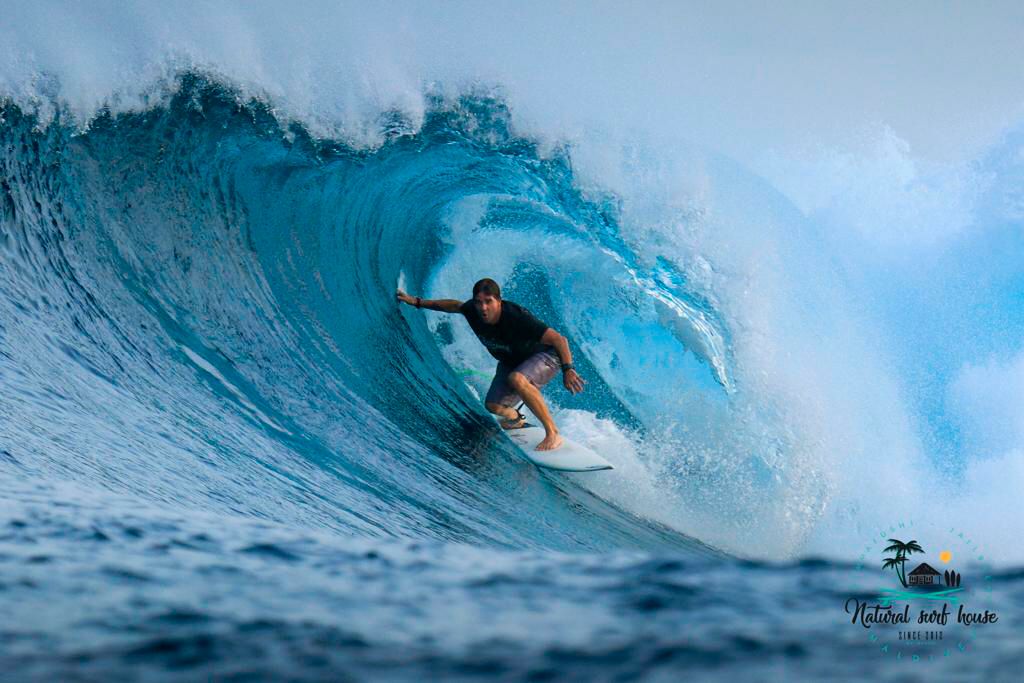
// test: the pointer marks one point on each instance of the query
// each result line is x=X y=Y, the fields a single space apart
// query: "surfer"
x=528 y=352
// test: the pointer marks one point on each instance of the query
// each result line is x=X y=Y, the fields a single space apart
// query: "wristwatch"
x=567 y=366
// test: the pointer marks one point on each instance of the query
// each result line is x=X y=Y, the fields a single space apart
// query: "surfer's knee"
x=495 y=408
x=517 y=380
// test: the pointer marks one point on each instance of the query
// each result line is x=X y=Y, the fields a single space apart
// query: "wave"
x=197 y=306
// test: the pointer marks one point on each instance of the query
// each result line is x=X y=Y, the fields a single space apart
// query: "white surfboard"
x=569 y=457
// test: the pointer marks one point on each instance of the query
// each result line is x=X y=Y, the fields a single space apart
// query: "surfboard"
x=569 y=457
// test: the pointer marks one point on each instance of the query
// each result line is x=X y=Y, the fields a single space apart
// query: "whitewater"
x=226 y=450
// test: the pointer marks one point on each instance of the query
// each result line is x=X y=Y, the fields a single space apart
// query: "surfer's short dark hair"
x=487 y=286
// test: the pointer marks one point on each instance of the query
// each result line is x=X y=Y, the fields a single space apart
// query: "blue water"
x=227 y=453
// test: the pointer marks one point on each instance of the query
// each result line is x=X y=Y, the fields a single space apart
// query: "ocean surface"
x=227 y=452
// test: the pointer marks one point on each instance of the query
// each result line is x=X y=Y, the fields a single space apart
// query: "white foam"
x=721 y=75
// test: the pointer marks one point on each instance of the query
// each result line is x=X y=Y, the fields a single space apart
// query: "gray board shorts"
x=538 y=368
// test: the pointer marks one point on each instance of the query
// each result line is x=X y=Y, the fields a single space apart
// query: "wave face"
x=199 y=308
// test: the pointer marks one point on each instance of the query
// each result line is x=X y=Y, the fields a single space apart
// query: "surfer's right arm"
x=444 y=305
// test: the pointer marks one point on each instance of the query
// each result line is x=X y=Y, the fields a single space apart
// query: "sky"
x=738 y=77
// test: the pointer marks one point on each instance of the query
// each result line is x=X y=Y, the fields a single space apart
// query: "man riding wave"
x=529 y=353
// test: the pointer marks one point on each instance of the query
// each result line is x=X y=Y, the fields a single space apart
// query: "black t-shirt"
x=514 y=338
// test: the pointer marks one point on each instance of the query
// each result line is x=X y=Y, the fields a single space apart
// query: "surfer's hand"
x=405 y=298
x=572 y=381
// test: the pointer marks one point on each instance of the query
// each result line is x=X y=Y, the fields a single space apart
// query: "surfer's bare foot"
x=514 y=423
x=550 y=442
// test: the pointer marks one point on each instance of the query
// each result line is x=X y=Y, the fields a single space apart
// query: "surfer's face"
x=488 y=307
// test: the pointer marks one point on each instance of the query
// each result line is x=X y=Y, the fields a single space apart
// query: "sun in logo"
x=945 y=556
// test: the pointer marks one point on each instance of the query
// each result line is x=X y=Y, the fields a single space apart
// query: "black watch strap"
x=567 y=366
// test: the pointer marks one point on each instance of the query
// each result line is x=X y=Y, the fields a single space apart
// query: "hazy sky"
x=740 y=77
x=943 y=76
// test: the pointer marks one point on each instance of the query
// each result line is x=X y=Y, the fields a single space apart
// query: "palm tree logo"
x=902 y=550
